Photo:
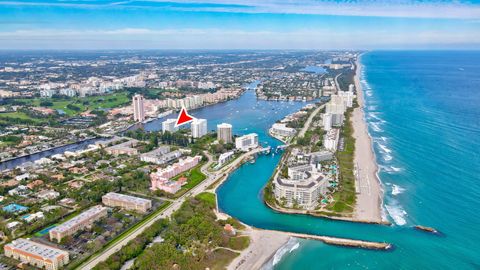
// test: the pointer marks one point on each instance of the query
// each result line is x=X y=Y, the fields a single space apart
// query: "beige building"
x=36 y=254
x=138 y=108
x=127 y=202
x=224 y=133
x=80 y=222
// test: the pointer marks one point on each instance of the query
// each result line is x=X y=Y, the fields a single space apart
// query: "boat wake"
x=290 y=246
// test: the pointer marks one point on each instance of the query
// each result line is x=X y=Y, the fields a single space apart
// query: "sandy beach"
x=263 y=245
x=369 y=197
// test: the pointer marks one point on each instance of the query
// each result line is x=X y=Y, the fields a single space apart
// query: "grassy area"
x=221 y=258
x=345 y=197
x=21 y=117
x=81 y=104
x=194 y=176
x=239 y=242
x=209 y=198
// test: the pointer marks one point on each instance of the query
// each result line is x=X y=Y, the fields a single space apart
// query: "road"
x=167 y=212
x=309 y=120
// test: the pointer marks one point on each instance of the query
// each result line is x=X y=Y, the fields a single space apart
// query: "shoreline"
x=319 y=215
x=370 y=191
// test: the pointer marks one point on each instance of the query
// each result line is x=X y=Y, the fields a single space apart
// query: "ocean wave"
x=384 y=148
x=375 y=126
x=387 y=157
x=374 y=115
x=390 y=169
x=372 y=108
x=290 y=246
x=397 y=213
x=397 y=190
x=369 y=92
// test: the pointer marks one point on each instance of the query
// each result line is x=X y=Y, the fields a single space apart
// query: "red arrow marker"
x=183 y=118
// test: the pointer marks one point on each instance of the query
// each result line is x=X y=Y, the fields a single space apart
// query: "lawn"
x=209 y=198
x=194 y=176
x=20 y=118
x=84 y=103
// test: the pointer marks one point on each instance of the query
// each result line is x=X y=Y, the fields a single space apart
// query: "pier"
x=345 y=242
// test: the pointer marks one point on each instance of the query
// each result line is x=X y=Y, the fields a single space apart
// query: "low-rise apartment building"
x=36 y=254
x=127 y=202
x=80 y=222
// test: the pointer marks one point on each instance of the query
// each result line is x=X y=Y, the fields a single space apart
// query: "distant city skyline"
x=236 y=24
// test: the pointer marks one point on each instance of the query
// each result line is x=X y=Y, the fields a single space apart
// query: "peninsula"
x=329 y=168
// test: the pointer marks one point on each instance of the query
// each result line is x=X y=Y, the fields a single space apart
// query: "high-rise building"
x=246 y=142
x=138 y=109
x=224 y=133
x=199 y=127
x=327 y=121
x=169 y=125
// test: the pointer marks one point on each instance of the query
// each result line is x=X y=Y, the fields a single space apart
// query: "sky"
x=239 y=24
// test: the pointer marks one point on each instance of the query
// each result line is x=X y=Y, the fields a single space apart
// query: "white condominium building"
x=247 y=142
x=303 y=187
x=282 y=130
x=169 y=125
x=36 y=254
x=347 y=98
x=127 y=202
x=138 y=108
x=80 y=222
x=330 y=140
x=161 y=155
x=224 y=133
x=199 y=128
x=327 y=121
x=224 y=158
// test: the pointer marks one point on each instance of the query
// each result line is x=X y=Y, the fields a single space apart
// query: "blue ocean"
x=423 y=111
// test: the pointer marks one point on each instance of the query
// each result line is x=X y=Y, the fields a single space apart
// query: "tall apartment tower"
x=224 y=132
x=199 y=127
x=138 y=109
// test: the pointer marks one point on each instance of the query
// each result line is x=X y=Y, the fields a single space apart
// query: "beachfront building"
x=224 y=133
x=199 y=128
x=169 y=125
x=327 y=121
x=303 y=187
x=138 y=108
x=126 y=202
x=36 y=254
x=160 y=179
x=161 y=155
x=78 y=223
x=347 y=97
x=330 y=140
x=247 y=142
x=281 y=129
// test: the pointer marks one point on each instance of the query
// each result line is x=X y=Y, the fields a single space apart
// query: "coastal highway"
x=167 y=212
x=309 y=120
